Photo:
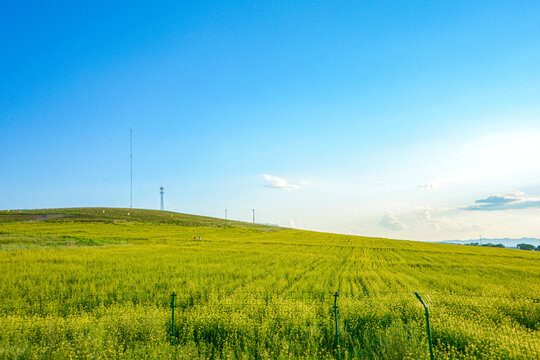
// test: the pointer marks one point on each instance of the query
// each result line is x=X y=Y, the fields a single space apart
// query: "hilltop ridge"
x=115 y=215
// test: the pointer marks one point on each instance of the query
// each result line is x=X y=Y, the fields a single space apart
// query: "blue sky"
x=371 y=118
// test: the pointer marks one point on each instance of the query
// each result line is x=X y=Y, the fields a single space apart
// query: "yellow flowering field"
x=97 y=284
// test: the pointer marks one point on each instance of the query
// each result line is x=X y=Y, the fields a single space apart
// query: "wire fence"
x=429 y=325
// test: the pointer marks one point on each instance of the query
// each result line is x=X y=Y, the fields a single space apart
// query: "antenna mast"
x=161 y=188
x=130 y=167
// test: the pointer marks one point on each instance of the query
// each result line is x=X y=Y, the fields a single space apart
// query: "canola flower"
x=90 y=284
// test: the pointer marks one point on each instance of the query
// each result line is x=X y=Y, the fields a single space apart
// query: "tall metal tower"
x=161 y=192
x=253 y=215
x=130 y=167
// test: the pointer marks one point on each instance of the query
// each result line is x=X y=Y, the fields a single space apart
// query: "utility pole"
x=130 y=167
x=253 y=215
x=161 y=192
x=225 y=214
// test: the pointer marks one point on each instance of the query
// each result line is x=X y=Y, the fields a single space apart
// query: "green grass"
x=119 y=215
x=96 y=283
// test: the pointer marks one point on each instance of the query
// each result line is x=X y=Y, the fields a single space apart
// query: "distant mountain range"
x=509 y=243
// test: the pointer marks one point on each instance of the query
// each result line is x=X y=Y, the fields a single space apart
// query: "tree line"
x=529 y=247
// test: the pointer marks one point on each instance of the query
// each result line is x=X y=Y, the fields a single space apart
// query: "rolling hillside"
x=97 y=282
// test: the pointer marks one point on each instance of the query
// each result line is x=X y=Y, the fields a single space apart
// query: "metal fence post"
x=427 y=326
x=173 y=326
x=336 y=321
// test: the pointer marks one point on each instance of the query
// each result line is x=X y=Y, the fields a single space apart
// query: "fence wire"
x=462 y=325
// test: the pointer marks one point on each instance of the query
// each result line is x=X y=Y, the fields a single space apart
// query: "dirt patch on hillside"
x=5 y=218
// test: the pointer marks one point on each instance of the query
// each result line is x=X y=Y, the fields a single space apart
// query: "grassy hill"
x=116 y=215
x=97 y=282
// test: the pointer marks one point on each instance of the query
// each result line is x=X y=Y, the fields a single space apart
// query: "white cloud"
x=511 y=201
x=291 y=223
x=454 y=224
x=279 y=183
x=424 y=214
x=287 y=223
x=389 y=221
x=430 y=186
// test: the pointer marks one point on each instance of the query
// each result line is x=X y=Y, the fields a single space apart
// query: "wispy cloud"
x=389 y=221
x=291 y=223
x=279 y=183
x=355 y=230
x=430 y=186
x=286 y=223
x=511 y=201
x=424 y=214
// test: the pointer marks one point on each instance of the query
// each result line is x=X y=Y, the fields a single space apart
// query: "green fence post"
x=336 y=320
x=173 y=326
x=427 y=325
